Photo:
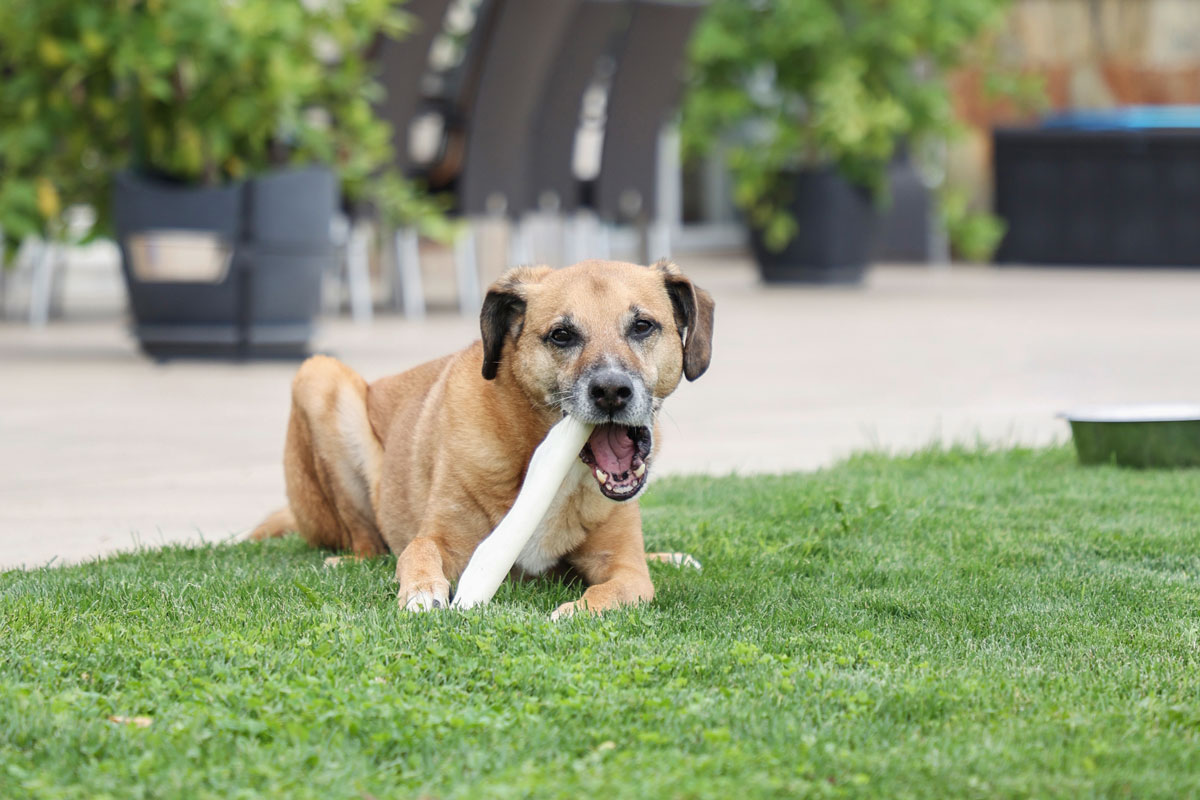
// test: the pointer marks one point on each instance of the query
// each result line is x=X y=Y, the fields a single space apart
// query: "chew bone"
x=494 y=556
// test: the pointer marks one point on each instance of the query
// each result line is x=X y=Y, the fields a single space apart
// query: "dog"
x=426 y=463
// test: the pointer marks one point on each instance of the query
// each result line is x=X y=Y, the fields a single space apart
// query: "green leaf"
x=813 y=83
x=197 y=90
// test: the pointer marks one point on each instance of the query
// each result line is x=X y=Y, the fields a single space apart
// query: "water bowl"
x=1137 y=435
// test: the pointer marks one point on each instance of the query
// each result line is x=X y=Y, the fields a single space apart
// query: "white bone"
x=494 y=556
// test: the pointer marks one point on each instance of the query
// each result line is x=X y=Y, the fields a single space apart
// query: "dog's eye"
x=563 y=337
x=642 y=328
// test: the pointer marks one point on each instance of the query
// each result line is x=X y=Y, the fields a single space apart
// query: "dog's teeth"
x=640 y=471
x=601 y=475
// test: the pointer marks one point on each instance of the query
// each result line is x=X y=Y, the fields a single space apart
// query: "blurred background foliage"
x=795 y=84
x=203 y=92
x=194 y=91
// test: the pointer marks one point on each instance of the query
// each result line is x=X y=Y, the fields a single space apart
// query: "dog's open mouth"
x=618 y=455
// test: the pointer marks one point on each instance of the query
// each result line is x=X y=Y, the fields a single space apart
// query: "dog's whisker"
x=668 y=416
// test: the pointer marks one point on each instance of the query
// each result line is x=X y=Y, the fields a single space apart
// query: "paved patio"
x=101 y=450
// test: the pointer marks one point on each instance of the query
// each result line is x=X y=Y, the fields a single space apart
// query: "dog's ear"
x=693 y=316
x=503 y=313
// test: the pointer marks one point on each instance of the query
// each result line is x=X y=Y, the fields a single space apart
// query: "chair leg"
x=570 y=244
x=40 y=285
x=603 y=241
x=658 y=240
x=584 y=237
x=3 y=280
x=466 y=266
x=519 y=249
x=411 y=292
x=587 y=237
x=668 y=216
x=58 y=282
x=358 y=273
x=642 y=227
x=939 y=242
x=334 y=279
x=543 y=233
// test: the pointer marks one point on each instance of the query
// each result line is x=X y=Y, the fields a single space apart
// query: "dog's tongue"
x=612 y=448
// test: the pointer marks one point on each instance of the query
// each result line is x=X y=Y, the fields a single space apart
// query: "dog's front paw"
x=562 y=612
x=580 y=606
x=426 y=596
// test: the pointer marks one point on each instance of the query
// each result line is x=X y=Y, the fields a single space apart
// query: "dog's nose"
x=610 y=390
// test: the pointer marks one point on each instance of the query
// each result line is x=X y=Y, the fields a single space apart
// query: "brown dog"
x=427 y=462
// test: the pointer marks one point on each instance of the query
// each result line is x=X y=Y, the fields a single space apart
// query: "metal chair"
x=587 y=55
x=513 y=74
x=584 y=63
x=639 y=168
x=39 y=265
x=502 y=117
x=402 y=65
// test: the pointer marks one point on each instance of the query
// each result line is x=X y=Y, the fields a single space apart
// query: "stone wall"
x=1088 y=54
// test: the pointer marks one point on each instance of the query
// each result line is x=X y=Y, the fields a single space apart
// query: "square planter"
x=1119 y=188
x=837 y=224
x=229 y=271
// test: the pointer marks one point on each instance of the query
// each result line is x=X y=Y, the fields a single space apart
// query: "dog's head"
x=604 y=342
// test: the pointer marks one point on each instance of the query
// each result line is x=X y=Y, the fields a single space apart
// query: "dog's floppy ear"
x=693 y=316
x=503 y=313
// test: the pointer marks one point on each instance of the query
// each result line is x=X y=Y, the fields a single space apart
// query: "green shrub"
x=193 y=90
x=808 y=83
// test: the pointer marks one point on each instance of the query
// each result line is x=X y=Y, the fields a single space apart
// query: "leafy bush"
x=806 y=83
x=193 y=90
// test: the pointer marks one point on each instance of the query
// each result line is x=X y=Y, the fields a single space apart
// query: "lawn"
x=951 y=624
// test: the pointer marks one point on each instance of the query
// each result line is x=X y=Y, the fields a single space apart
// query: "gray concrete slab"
x=101 y=450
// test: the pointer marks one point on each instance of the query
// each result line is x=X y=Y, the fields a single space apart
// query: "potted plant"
x=213 y=139
x=815 y=96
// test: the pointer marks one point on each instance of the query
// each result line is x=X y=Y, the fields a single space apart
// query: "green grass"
x=951 y=624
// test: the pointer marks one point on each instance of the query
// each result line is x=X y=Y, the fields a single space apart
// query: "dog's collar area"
x=618 y=457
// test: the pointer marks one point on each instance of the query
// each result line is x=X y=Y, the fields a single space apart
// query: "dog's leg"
x=332 y=460
x=422 y=577
x=612 y=559
x=277 y=523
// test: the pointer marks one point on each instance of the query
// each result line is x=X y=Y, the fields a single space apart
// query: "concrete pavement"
x=101 y=450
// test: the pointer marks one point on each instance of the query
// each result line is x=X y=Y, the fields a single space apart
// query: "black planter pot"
x=906 y=230
x=837 y=224
x=232 y=271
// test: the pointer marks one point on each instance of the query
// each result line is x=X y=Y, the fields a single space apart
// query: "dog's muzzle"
x=618 y=451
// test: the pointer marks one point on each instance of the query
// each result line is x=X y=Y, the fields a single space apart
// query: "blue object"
x=1128 y=118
